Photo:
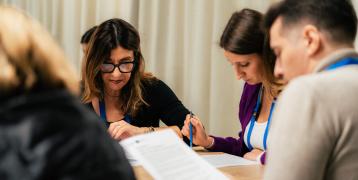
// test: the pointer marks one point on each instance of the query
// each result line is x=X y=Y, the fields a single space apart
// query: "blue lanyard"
x=343 y=62
x=253 y=119
x=102 y=112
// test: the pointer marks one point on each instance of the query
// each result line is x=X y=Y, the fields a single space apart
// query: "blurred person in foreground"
x=45 y=131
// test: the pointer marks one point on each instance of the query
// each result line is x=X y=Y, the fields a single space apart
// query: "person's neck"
x=323 y=53
x=270 y=90
x=268 y=93
x=111 y=93
x=111 y=97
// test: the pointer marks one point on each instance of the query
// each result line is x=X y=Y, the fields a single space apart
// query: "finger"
x=122 y=123
x=187 y=120
x=186 y=127
x=111 y=127
x=197 y=125
x=115 y=131
x=197 y=120
x=120 y=133
x=186 y=123
x=246 y=155
x=185 y=131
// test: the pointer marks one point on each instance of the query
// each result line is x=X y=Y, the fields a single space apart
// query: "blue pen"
x=191 y=130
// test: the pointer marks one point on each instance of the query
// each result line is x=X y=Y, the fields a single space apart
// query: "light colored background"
x=179 y=42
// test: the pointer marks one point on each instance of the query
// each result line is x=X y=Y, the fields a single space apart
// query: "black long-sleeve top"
x=50 y=135
x=164 y=105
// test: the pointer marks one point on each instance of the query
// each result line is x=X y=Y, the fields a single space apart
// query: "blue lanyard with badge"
x=102 y=112
x=254 y=117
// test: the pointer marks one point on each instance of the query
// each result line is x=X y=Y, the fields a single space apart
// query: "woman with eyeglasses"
x=246 y=47
x=128 y=100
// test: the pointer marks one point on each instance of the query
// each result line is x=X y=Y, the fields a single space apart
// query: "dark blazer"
x=51 y=135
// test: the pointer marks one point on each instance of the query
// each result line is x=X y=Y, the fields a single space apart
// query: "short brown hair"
x=335 y=17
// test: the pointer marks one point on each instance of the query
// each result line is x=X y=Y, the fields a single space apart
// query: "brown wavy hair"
x=108 y=36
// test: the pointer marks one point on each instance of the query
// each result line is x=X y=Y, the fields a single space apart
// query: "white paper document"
x=223 y=160
x=165 y=156
x=132 y=160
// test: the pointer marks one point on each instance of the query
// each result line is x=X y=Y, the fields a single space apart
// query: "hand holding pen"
x=199 y=136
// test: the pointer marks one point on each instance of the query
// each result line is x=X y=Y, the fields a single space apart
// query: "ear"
x=312 y=39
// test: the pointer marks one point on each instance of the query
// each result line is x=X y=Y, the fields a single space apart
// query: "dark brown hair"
x=87 y=35
x=108 y=36
x=244 y=34
x=335 y=17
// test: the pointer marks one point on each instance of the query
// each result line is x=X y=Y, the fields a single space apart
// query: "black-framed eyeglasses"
x=124 y=67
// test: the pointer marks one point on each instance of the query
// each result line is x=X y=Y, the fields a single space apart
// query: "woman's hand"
x=175 y=129
x=199 y=136
x=253 y=155
x=121 y=129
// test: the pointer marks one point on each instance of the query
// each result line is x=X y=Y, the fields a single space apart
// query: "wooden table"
x=251 y=172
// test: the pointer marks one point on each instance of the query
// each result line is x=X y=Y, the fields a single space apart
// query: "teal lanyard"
x=343 y=62
x=254 y=117
x=102 y=112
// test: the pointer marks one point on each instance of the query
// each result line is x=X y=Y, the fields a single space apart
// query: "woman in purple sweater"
x=246 y=47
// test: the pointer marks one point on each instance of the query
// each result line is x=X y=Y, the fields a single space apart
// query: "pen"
x=191 y=130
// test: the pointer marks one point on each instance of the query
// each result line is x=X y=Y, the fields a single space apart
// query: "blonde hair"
x=29 y=57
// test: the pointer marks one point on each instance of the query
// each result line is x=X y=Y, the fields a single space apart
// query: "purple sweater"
x=247 y=104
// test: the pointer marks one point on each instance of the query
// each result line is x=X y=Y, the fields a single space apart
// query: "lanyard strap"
x=102 y=112
x=127 y=118
x=343 y=62
x=268 y=123
x=253 y=119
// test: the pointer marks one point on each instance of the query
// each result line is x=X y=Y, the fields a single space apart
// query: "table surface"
x=250 y=172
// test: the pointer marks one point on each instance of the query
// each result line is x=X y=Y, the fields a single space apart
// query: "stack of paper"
x=223 y=160
x=165 y=156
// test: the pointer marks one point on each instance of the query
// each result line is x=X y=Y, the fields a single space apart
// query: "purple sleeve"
x=232 y=145
x=228 y=145
x=263 y=158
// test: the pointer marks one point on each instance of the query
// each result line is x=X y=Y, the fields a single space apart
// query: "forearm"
x=152 y=129
x=228 y=145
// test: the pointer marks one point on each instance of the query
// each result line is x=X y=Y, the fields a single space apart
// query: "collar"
x=335 y=57
x=34 y=98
